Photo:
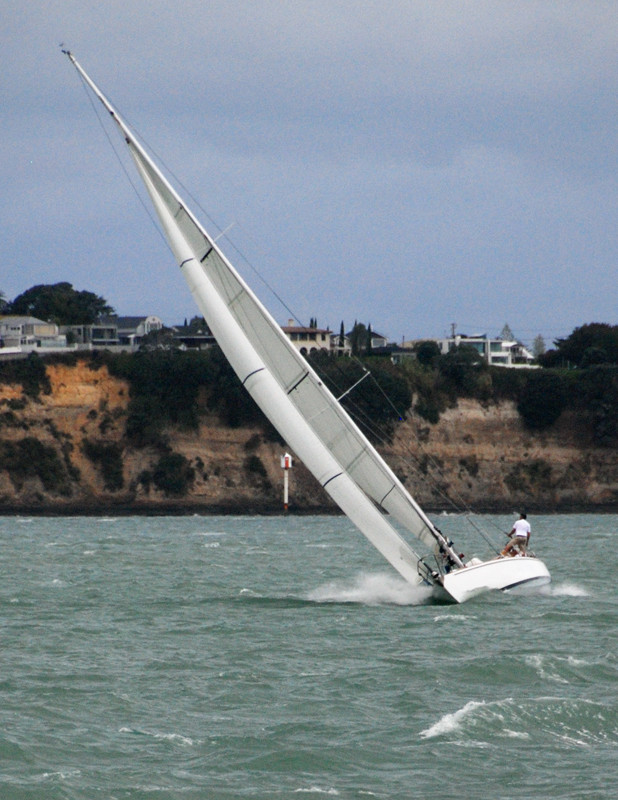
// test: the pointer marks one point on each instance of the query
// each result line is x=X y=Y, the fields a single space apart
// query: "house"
x=27 y=334
x=131 y=330
x=367 y=341
x=102 y=333
x=194 y=337
x=112 y=332
x=378 y=342
x=308 y=340
x=340 y=344
x=496 y=352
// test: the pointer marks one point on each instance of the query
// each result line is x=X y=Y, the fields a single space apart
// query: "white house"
x=497 y=352
x=27 y=334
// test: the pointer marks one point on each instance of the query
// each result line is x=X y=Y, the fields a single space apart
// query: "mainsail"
x=287 y=389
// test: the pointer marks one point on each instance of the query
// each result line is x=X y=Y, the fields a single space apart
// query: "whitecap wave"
x=177 y=738
x=249 y=593
x=575 y=722
x=452 y=722
x=545 y=667
x=372 y=589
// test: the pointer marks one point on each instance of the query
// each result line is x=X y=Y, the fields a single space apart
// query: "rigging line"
x=145 y=206
x=222 y=233
x=160 y=159
x=382 y=438
x=260 y=277
x=380 y=435
x=457 y=502
x=127 y=174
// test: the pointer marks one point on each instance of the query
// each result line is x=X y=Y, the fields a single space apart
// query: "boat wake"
x=566 y=590
x=372 y=589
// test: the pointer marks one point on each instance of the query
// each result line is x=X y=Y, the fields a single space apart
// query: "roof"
x=303 y=329
x=12 y=319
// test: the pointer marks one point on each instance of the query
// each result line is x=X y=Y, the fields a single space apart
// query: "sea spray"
x=372 y=589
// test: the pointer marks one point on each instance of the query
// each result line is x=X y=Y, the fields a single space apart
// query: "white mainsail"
x=284 y=385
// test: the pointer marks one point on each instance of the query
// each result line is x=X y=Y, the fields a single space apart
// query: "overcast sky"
x=405 y=164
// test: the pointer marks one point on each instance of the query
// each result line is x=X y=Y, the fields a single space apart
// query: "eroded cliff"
x=67 y=451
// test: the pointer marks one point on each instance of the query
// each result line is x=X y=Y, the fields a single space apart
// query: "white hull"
x=500 y=573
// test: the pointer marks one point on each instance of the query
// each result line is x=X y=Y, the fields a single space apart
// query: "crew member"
x=520 y=536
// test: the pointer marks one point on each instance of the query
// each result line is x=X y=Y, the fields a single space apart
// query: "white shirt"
x=522 y=528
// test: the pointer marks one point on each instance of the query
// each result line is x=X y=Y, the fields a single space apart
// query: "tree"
x=599 y=338
x=60 y=303
x=538 y=346
x=542 y=400
x=598 y=397
x=358 y=339
x=506 y=334
x=197 y=325
x=461 y=367
x=427 y=353
x=376 y=397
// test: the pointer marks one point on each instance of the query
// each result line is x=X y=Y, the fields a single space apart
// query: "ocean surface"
x=249 y=657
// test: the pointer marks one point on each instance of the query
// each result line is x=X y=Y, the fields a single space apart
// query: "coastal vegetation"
x=28 y=458
x=172 y=390
x=169 y=387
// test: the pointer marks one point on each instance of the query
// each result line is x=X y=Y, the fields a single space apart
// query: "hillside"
x=66 y=450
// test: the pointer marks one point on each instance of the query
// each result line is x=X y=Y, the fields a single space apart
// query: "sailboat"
x=303 y=410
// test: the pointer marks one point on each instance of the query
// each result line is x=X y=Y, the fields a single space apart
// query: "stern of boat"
x=502 y=573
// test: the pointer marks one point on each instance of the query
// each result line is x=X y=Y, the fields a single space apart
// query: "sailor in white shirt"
x=520 y=536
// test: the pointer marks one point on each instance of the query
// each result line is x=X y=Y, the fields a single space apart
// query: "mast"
x=283 y=384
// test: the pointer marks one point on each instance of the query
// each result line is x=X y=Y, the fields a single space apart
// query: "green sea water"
x=248 y=657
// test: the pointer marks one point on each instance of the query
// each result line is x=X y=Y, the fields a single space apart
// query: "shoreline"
x=268 y=510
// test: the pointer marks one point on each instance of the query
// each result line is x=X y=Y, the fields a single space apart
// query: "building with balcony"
x=496 y=352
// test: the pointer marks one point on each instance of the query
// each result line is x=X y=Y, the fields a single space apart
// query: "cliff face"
x=485 y=458
x=66 y=451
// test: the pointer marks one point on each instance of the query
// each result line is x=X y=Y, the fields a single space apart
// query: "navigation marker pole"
x=286 y=465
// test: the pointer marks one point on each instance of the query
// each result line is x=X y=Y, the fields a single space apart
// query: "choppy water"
x=159 y=658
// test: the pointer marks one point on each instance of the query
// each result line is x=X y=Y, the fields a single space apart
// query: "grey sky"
x=404 y=164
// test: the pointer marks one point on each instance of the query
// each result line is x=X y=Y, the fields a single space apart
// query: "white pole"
x=286 y=463
x=285 y=489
